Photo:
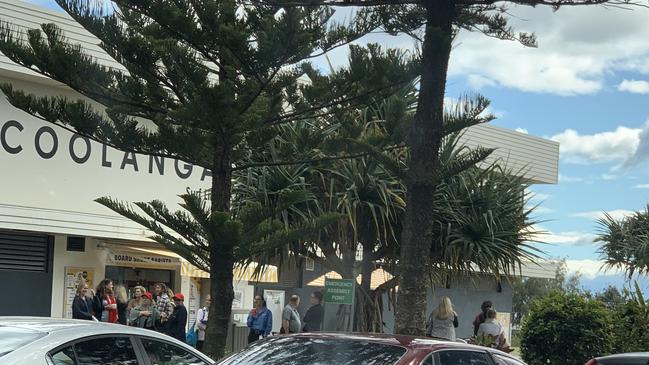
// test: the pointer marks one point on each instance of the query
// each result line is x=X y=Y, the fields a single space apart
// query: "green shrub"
x=565 y=329
x=630 y=328
x=516 y=338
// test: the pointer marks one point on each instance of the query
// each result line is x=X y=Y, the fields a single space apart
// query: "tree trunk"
x=424 y=139
x=364 y=307
x=221 y=265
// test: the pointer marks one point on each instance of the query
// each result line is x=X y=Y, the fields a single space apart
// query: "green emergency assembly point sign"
x=339 y=291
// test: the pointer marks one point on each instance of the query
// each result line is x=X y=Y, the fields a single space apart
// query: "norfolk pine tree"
x=434 y=24
x=205 y=82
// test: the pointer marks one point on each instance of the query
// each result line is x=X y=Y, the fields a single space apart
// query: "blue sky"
x=586 y=86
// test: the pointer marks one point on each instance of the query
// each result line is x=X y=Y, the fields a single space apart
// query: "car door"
x=157 y=351
x=97 y=350
x=461 y=357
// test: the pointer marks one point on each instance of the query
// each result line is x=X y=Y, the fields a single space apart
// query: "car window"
x=282 y=350
x=106 y=351
x=64 y=357
x=463 y=358
x=503 y=360
x=428 y=361
x=163 y=353
x=12 y=338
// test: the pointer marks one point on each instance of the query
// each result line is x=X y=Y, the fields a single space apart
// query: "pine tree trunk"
x=221 y=265
x=424 y=138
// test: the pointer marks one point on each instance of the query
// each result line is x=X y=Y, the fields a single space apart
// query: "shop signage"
x=339 y=291
x=73 y=276
x=47 y=143
x=133 y=259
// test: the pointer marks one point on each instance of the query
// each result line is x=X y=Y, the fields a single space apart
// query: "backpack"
x=192 y=336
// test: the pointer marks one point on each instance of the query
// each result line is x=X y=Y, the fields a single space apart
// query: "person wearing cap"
x=144 y=315
x=175 y=326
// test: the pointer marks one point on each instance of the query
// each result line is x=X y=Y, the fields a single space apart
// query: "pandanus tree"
x=625 y=242
x=204 y=82
x=481 y=222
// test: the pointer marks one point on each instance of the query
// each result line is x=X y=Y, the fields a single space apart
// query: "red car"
x=364 y=349
x=632 y=358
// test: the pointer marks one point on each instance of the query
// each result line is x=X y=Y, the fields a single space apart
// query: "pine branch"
x=341 y=3
x=291 y=115
x=372 y=3
x=312 y=160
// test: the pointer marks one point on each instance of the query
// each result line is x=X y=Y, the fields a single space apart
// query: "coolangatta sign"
x=48 y=143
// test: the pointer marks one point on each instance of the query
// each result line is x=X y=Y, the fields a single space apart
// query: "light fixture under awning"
x=268 y=275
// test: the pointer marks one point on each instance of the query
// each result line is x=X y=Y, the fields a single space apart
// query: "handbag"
x=192 y=336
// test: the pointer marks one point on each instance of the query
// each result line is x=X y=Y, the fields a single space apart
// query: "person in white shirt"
x=201 y=323
x=493 y=329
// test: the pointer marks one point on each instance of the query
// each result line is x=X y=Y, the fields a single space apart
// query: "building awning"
x=379 y=276
x=141 y=256
x=161 y=258
x=268 y=275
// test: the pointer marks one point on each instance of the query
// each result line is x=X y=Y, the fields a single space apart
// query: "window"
x=281 y=350
x=64 y=357
x=428 y=361
x=162 y=353
x=463 y=358
x=106 y=351
x=504 y=360
x=24 y=252
x=12 y=338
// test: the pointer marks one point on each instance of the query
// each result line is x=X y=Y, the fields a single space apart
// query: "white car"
x=51 y=341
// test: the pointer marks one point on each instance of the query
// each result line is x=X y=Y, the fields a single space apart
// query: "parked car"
x=356 y=349
x=632 y=358
x=49 y=341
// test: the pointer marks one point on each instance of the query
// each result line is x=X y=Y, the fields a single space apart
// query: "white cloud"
x=590 y=268
x=543 y=210
x=578 y=47
x=642 y=186
x=569 y=238
x=478 y=81
x=641 y=153
x=539 y=197
x=634 y=86
x=615 y=214
x=496 y=113
x=610 y=177
x=569 y=179
x=522 y=130
x=619 y=145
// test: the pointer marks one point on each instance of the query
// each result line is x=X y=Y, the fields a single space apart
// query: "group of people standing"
x=260 y=318
x=161 y=311
x=443 y=321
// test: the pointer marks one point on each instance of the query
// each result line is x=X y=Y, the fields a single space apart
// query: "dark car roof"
x=631 y=358
x=410 y=342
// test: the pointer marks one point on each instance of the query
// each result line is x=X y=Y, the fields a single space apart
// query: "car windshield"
x=316 y=351
x=12 y=338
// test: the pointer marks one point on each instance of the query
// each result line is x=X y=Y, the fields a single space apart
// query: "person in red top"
x=110 y=307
